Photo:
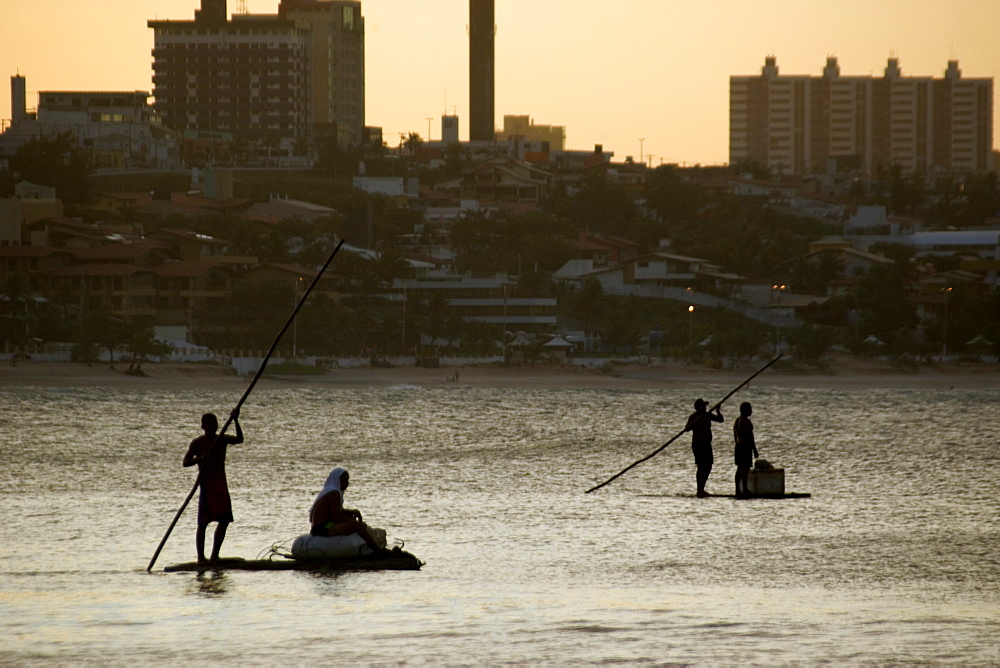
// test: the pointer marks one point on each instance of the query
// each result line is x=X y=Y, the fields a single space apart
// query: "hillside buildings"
x=798 y=124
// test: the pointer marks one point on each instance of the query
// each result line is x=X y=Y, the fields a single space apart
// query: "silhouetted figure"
x=329 y=517
x=746 y=449
x=214 y=505
x=700 y=426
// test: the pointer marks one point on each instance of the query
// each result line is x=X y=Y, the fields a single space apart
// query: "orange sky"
x=612 y=72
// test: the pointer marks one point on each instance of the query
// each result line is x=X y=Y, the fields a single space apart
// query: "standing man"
x=746 y=449
x=700 y=426
x=208 y=451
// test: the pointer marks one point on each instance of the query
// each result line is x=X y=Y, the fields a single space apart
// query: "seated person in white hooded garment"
x=329 y=517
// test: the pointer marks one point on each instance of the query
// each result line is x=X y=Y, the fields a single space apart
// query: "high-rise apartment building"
x=800 y=124
x=336 y=63
x=222 y=79
x=281 y=78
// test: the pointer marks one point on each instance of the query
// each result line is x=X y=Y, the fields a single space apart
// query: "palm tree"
x=413 y=142
x=141 y=344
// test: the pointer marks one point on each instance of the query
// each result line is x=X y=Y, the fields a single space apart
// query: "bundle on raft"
x=318 y=553
x=309 y=547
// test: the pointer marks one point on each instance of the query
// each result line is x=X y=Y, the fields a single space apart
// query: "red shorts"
x=214 y=504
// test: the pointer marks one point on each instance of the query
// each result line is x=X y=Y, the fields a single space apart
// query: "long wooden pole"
x=661 y=448
x=239 y=404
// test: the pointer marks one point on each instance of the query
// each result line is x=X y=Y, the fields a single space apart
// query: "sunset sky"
x=612 y=72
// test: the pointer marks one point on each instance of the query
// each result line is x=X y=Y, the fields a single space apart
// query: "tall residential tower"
x=800 y=124
x=221 y=80
x=336 y=63
x=278 y=78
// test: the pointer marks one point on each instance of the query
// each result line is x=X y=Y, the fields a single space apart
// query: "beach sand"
x=841 y=372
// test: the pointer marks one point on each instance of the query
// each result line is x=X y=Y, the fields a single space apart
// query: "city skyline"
x=640 y=77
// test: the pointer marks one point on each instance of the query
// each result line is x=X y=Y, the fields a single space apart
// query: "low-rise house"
x=29 y=260
x=849 y=264
x=778 y=193
x=780 y=299
x=873 y=221
x=168 y=294
x=30 y=202
x=484 y=299
x=984 y=244
x=295 y=276
x=631 y=176
x=73 y=233
x=155 y=206
x=282 y=208
x=821 y=206
x=603 y=250
x=190 y=245
x=665 y=270
x=503 y=182
x=389 y=186
x=854 y=263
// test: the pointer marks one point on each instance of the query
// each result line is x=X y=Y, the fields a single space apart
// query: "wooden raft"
x=395 y=561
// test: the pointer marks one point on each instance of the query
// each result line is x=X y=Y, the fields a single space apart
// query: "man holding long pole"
x=662 y=447
x=700 y=426
x=236 y=411
x=208 y=451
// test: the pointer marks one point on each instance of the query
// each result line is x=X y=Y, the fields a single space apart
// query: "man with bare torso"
x=745 y=451
x=208 y=451
x=700 y=426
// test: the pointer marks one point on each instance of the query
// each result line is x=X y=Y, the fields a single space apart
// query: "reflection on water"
x=211 y=583
x=894 y=558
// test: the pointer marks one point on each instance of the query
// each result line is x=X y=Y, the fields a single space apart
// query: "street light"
x=503 y=325
x=691 y=325
x=295 y=321
x=402 y=341
x=944 y=346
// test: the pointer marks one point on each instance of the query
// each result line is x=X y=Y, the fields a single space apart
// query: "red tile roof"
x=94 y=270
x=185 y=268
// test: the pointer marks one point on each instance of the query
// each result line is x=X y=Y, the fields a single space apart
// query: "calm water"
x=894 y=559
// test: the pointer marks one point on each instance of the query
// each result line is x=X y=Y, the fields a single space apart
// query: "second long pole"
x=662 y=447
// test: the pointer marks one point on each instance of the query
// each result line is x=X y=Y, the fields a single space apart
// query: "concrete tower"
x=18 y=99
x=481 y=81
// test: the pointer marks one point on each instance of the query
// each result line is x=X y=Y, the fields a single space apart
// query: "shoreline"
x=847 y=373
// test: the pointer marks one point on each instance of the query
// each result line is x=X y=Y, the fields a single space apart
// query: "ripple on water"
x=893 y=558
